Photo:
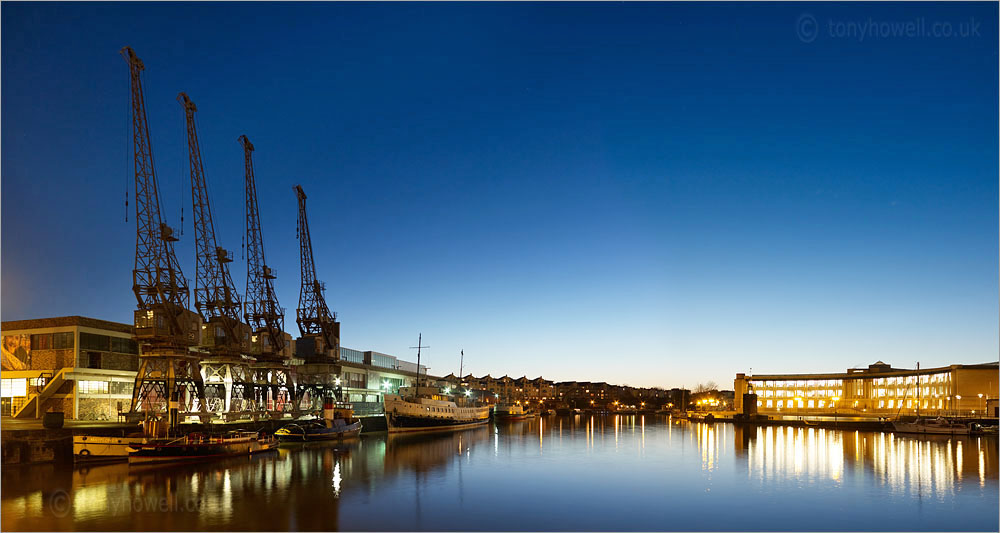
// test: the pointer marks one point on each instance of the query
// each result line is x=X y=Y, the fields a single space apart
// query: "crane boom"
x=216 y=299
x=261 y=309
x=313 y=316
x=159 y=285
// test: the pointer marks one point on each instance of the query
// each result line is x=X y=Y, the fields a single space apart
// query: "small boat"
x=983 y=429
x=512 y=412
x=564 y=411
x=701 y=417
x=338 y=423
x=936 y=426
x=196 y=446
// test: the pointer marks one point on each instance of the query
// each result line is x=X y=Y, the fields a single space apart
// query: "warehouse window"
x=92 y=387
x=62 y=341
x=124 y=345
x=41 y=342
x=91 y=341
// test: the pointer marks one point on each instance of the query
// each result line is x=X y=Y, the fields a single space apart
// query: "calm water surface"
x=557 y=473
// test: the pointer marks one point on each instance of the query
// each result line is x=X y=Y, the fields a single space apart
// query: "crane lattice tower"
x=168 y=385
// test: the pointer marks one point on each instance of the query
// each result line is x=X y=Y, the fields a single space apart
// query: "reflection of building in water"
x=960 y=390
x=906 y=463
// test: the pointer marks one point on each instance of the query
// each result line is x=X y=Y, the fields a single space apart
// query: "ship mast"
x=419 y=345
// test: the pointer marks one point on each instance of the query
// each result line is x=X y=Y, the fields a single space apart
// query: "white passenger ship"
x=426 y=409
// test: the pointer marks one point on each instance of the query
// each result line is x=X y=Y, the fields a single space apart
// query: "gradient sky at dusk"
x=636 y=193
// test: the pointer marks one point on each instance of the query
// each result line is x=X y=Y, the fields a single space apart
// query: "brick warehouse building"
x=81 y=366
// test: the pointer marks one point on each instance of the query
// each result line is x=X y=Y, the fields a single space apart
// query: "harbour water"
x=579 y=473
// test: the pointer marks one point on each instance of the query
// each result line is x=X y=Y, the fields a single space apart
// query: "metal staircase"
x=33 y=405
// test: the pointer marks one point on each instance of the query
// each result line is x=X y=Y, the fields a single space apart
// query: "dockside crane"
x=261 y=311
x=319 y=344
x=168 y=384
x=226 y=370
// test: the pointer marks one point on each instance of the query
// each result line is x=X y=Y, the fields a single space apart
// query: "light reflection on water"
x=558 y=473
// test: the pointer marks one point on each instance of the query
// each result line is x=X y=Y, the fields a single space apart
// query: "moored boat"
x=338 y=423
x=512 y=412
x=934 y=426
x=196 y=446
x=98 y=448
x=426 y=409
x=314 y=430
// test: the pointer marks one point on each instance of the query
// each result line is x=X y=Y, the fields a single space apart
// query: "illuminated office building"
x=879 y=390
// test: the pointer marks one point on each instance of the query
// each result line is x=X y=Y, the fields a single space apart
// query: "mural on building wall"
x=16 y=352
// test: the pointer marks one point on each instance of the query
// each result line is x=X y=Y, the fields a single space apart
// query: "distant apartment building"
x=879 y=390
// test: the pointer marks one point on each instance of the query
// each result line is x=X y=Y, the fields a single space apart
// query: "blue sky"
x=651 y=194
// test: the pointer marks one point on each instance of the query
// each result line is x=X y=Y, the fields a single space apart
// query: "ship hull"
x=313 y=434
x=423 y=415
x=401 y=424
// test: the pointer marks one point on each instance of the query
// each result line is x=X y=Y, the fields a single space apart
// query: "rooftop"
x=63 y=321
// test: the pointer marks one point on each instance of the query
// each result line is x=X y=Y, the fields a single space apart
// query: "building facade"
x=879 y=390
x=80 y=366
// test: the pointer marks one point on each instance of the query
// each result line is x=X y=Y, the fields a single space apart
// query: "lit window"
x=769 y=404
x=781 y=403
x=13 y=387
x=890 y=404
x=811 y=404
x=822 y=404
